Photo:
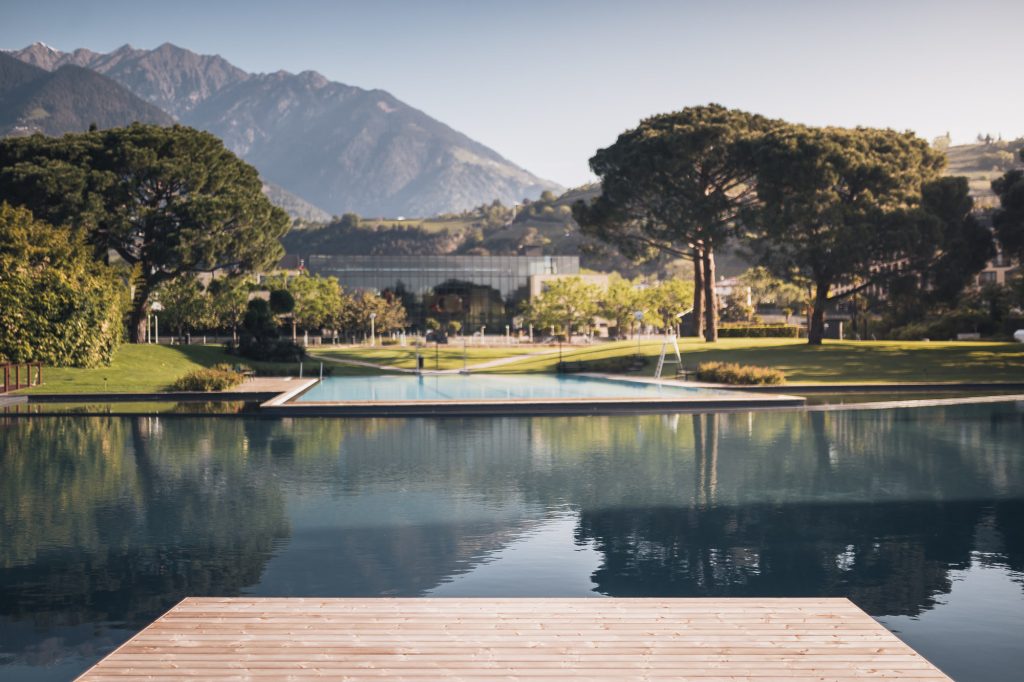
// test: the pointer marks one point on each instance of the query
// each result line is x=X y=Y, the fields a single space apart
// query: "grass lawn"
x=148 y=368
x=835 y=361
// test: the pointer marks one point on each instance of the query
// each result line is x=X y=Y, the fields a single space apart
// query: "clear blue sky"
x=546 y=83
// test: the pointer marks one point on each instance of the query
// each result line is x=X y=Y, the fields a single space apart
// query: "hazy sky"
x=546 y=83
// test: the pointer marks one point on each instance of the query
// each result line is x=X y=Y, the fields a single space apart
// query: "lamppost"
x=373 y=337
x=156 y=307
x=639 y=317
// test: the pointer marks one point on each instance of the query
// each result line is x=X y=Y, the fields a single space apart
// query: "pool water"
x=489 y=387
x=917 y=515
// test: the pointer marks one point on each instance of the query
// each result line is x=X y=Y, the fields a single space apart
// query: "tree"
x=677 y=185
x=229 y=299
x=186 y=306
x=58 y=305
x=668 y=301
x=170 y=201
x=832 y=204
x=765 y=288
x=566 y=302
x=1009 y=219
x=621 y=300
x=389 y=313
x=316 y=300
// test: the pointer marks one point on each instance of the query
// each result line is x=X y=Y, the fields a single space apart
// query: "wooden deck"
x=514 y=639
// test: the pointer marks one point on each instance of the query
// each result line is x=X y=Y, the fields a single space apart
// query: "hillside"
x=338 y=147
x=69 y=99
x=982 y=163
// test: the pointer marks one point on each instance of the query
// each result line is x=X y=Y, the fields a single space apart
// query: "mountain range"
x=323 y=147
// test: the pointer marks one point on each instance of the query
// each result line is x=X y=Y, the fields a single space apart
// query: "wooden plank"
x=529 y=639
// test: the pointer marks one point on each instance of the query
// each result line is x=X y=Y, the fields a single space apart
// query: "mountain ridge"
x=337 y=146
x=67 y=99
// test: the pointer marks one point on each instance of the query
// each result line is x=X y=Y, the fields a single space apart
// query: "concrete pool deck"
x=276 y=397
x=730 y=398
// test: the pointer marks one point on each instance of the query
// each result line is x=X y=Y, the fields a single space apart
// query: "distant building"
x=474 y=290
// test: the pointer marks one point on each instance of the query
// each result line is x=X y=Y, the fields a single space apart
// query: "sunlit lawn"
x=835 y=361
x=147 y=368
x=150 y=368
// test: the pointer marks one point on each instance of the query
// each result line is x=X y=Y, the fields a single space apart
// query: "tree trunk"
x=698 y=294
x=710 y=298
x=816 y=325
x=137 y=321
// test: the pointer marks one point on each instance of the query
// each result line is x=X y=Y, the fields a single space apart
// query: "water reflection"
x=105 y=522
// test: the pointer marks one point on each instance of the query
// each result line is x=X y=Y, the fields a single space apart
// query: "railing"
x=13 y=375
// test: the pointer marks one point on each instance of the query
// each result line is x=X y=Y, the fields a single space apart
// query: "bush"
x=732 y=373
x=785 y=331
x=217 y=378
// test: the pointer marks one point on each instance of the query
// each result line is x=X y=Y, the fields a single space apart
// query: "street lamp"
x=373 y=337
x=156 y=307
x=639 y=317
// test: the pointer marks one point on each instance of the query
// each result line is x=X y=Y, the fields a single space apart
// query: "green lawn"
x=836 y=361
x=144 y=368
x=152 y=368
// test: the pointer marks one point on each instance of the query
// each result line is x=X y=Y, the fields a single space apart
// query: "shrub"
x=786 y=331
x=732 y=373
x=217 y=378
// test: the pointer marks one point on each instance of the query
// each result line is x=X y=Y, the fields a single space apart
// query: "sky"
x=547 y=83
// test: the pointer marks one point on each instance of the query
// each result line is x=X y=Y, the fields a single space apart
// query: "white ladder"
x=664 y=349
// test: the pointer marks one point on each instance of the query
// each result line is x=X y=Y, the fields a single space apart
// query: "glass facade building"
x=474 y=290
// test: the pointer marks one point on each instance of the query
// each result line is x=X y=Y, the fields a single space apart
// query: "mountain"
x=68 y=99
x=342 y=148
x=169 y=77
x=296 y=206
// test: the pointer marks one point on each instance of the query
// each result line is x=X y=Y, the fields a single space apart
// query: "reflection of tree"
x=116 y=519
x=875 y=505
x=108 y=519
x=877 y=555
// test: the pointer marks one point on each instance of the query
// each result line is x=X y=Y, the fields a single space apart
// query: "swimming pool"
x=454 y=387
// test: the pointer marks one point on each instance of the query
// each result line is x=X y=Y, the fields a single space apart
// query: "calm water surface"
x=489 y=387
x=917 y=515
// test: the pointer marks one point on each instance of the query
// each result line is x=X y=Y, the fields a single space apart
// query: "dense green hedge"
x=216 y=378
x=785 y=331
x=57 y=304
x=732 y=373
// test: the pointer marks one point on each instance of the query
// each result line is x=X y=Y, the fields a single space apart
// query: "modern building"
x=477 y=291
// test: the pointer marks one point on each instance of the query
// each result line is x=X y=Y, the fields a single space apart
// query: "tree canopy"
x=567 y=303
x=832 y=206
x=167 y=201
x=677 y=184
x=59 y=305
x=1009 y=219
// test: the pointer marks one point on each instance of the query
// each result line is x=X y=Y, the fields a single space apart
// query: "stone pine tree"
x=1009 y=219
x=677 y=185
x=166 y=201
x=833 y=208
